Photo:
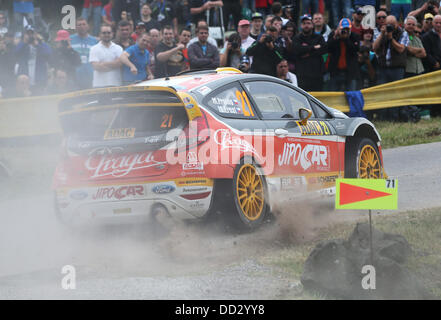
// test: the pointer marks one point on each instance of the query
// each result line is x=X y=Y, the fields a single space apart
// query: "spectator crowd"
x=315 y=44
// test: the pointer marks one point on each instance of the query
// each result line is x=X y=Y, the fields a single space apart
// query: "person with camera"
x=230 y=55
x=431 y=6
x=343 y=47
x=265 y=55
x=390 y=48
x=64 y=56
x=33 y=56
x=104 y=58
x=308 y=48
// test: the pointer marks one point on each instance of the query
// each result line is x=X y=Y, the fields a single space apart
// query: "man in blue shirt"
x=82 y=42
x=136 y=61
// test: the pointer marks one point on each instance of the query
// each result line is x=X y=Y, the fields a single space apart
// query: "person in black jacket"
x=432 y=44
x=265 y=55
x=343 y=47
x=308 y=49
x=130 y=6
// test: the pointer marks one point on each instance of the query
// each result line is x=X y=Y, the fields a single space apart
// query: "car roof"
x=194 y=80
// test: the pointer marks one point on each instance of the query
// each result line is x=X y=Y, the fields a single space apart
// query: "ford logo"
x=163 y=188
x=78 y=195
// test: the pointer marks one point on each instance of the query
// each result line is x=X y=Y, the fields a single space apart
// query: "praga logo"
x=118 y=193
x=102 y=164
x=306 y=156
x=223 y=138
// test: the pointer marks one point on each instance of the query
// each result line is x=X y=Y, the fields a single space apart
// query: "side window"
x=275 y=100
x=319 y=112
x=231 y=101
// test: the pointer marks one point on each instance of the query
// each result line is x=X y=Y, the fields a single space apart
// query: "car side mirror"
x=304 y=115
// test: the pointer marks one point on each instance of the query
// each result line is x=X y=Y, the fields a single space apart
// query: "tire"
x=250 y=195
x=363 y=160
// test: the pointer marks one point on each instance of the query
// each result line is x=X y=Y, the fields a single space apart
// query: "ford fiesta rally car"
x=188 y=144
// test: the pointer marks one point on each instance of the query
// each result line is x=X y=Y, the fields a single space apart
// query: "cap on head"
x=62 y=35
x=256 y=15
x=305 y=17
x=359 y=10
x=345 y=23
x=243 y=22
x=140 y=24
x=428 y=16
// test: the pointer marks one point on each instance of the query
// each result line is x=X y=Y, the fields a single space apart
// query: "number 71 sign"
x=371 y=194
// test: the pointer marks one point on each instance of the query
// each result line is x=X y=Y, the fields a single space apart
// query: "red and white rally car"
x=185 y=145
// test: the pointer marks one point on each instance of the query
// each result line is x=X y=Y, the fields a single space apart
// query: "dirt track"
x=193 y=261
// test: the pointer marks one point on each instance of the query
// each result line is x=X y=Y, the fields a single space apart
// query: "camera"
x=389 y=28
x=234 y=45
x=344 y=31
x=268 y=39
x=65 y=43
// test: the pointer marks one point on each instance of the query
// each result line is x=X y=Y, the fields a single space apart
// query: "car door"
x=304 y=154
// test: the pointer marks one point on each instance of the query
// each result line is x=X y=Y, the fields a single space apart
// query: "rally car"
x=203 y=141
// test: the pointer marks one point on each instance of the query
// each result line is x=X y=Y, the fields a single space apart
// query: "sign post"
x=367 y=194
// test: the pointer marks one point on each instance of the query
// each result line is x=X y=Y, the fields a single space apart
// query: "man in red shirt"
x=357 y=17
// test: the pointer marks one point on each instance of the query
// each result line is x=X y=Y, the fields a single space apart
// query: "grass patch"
x=420 y=228
x=395 y=134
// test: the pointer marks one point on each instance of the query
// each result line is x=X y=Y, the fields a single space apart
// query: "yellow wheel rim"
x=369 y=163
x=249 y=189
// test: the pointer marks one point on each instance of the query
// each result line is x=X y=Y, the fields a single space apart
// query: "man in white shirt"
x=104 y=58
x=244 y=31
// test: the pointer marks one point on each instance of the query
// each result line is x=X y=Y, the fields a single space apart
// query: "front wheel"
x=363 y=160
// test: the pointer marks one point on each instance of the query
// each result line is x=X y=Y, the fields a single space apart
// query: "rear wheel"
x=250 y=196
x=363 y=160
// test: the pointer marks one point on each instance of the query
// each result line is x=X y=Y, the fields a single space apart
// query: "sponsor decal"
x=314 y=128
x=290 y=183
x=196 y=205
x=118 y=193
x=122 y=211
x=192 y=163
x=122 y=133
x=152 y=139
x=102 y=164
x=194 y=190
x=193 y=166
x=187 y=100
x=163 y=189
x=189 y=106
x=78 y=194
x=204 y=90
x=197 y=182
x=223 y=138
x=307 y=156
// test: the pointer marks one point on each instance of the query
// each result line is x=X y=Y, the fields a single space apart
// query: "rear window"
x=123 y=122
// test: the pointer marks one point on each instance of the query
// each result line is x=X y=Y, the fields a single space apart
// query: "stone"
x=334 y=267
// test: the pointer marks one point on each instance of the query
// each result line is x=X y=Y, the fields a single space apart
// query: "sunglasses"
x=381 y=17
x=106 y=32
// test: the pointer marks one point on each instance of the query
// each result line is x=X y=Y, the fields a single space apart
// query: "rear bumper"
x=134 y=203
